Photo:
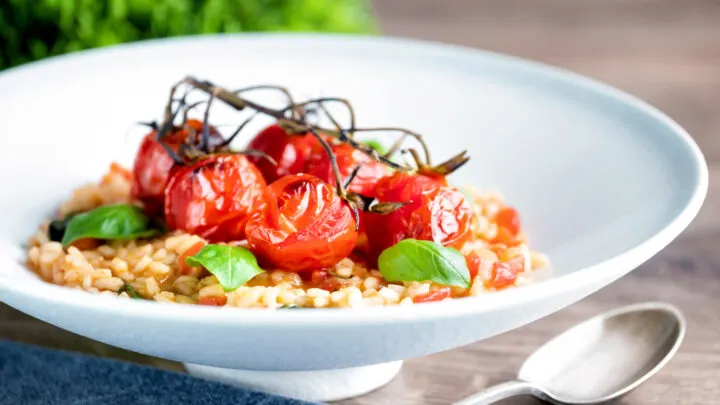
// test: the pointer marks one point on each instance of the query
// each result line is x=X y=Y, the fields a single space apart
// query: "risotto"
x=153 y=268
x=303 y=217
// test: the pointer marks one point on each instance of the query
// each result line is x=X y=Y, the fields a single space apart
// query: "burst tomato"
x=214 y=197
x=303 y=225
x=152 y=163
x=289 y=151
x=434 y=211
x=347 y=159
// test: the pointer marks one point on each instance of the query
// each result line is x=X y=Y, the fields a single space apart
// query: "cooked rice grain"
x=151 y=269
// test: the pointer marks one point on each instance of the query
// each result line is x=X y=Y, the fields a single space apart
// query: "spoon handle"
x=500 y=391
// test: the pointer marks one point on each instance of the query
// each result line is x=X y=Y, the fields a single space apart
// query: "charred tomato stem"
x=318 y=101
x=150 y=124
x=296 y=123
x=333 y=162
x=205 y=140
x=405 y=133
x=253 y=152
x=174 y=156
x=237 y=131
x=291 y=124
x=189 y=108
x=330 y=116
x=285 y=91
x=352 y=176
x=395 y=146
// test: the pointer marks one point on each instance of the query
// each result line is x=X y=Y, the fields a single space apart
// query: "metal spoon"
x=599 y=360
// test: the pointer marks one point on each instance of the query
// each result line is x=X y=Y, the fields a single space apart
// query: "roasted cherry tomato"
x=152 y=163
x=508 y=223
x=435 y=295
x=504 y=274
x=214 y=197
x=347 y=159
x=303 y=226
x=289 y=151
x=434 y=211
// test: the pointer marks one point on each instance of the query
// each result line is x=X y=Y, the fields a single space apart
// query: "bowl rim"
x=580 y=279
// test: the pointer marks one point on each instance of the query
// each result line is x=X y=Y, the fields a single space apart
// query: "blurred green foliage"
x=34 y=29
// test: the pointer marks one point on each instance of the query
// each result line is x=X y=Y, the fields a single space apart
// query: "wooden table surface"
x=664 y=51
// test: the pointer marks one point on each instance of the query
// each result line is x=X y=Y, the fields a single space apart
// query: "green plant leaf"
x=130 y=291
x=233 y=266
x=379 y=147
x=421 y=260
x=31 y=30
x=111 y=222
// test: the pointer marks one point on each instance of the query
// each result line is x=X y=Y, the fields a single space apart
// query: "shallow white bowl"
x=603 y=182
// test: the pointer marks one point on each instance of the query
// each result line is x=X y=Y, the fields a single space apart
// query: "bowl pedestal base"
x=322 y=386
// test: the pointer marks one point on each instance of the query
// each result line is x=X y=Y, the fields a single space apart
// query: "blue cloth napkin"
x=31 y=375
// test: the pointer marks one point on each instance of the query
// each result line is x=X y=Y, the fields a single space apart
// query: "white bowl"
x=602 y=180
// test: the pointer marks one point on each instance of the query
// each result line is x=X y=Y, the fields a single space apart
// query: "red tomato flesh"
x=505 y=274
x=303 y=226
x=509 y=227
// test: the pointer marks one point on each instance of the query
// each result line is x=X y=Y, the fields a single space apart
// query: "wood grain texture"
x=664 y=51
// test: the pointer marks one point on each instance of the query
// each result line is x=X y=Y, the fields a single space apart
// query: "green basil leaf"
x=421 y=260
x=232 y=265
x=130 y=291
x=379 y=147
x=110 y=222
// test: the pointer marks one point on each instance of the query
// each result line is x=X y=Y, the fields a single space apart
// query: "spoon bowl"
x=598 y=360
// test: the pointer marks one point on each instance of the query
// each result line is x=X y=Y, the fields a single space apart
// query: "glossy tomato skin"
x=434 y=211
x=303 y=226
x=214 y=197
x=152 y=164
x=347 y=159
x=289 y=151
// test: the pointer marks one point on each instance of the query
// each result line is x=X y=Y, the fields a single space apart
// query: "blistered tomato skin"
x=289 y=151
x=347 y=159
x=152 y=164
x=214 y=197
x=434 y=211
x=303 y=226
